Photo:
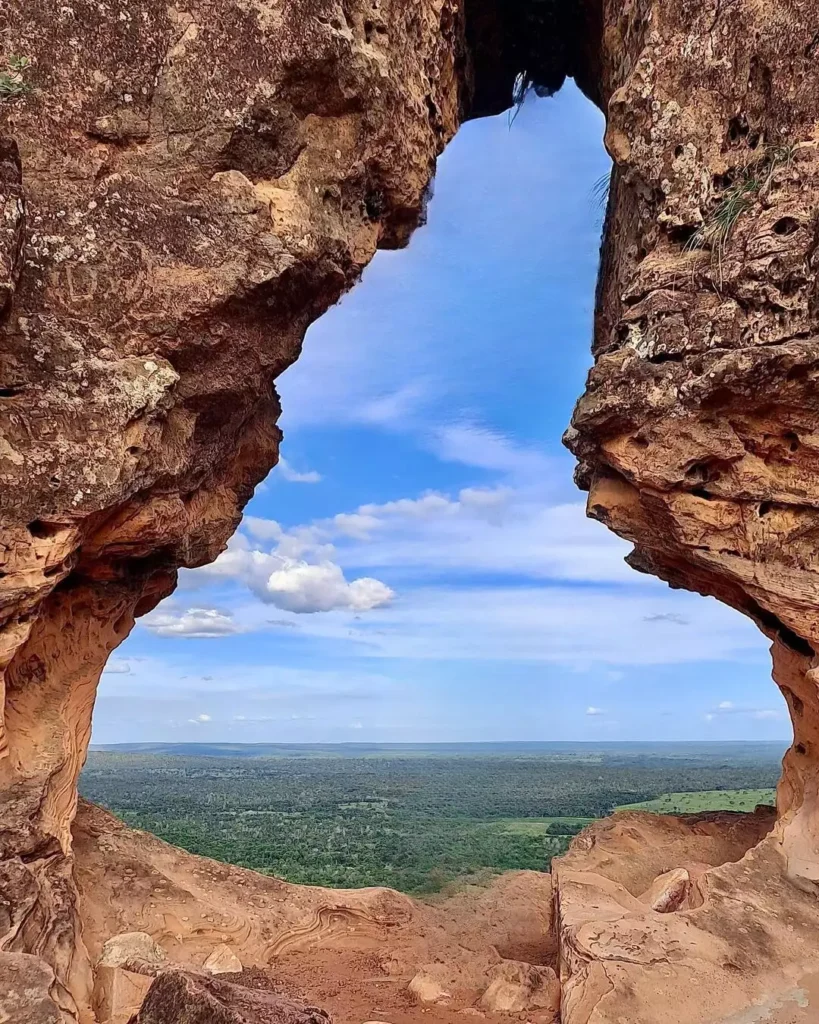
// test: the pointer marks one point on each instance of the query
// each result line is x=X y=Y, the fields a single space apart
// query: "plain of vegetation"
x=418 y=818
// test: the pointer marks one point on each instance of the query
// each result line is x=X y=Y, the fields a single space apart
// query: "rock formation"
x=696 y=435
x=352 y=952
x=183 y=190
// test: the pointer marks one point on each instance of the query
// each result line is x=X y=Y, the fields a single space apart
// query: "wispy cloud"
x=728 y=707
x=117 y=666
x=475 y=445
x=293 y=476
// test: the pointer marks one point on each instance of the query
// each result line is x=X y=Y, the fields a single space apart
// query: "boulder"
x=668 y=892
x=181 y=997
x=25 y=986
x=426 y=988
x=223 y=961
x=515 y=986
x=134 y=951
x=118 y=994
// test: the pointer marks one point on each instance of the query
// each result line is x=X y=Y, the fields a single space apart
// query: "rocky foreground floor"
x=648 y=919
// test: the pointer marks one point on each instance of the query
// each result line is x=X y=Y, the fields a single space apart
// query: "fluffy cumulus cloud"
x=502 y=530
x=300 y=587
x=509 y=572
x=296 y=574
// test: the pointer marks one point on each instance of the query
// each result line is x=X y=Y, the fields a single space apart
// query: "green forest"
x=419 y=820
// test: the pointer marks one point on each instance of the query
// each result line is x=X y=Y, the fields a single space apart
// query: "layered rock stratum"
x=183 y=190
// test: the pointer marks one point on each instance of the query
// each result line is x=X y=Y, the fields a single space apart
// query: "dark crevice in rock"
x=775 y=627
x=545 y=41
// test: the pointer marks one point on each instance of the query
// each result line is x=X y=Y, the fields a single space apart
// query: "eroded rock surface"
x=697 y=441
x=696 y=434
x=179 y=997
x=352 y=952
x=182 y=191
x=738 y=946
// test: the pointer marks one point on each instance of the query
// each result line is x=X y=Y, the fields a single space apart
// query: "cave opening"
x=271 y=156
x=422 y=486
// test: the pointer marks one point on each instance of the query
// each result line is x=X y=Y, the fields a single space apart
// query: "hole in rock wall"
x=419 y=567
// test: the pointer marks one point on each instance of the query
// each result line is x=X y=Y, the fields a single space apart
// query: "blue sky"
x=419 y=566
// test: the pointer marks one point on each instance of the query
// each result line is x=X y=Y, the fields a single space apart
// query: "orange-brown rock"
x=183 y=190
x=25 y=983
x=696 y=439
x=515 y=987
x=118 y=993
x=740 y=947
x=180 y=997
x=353 y=952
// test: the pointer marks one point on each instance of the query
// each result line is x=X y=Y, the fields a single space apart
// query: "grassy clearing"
x=541 y=826
x=713 y=800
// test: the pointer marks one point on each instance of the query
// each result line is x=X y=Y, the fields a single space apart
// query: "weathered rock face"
x=179 y=997
x=697 y=432
x=697 y=441
x=354 y=952
x=183 y=191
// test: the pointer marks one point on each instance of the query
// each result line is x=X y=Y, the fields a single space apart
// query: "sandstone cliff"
x=182 y=191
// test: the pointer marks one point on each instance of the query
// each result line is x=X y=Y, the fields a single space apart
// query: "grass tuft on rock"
x=13 y=77
x=738 y=198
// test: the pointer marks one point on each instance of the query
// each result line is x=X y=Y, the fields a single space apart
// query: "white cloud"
x=323 y=588
x=477 y=446
x=356 y=524
x=588 y=627
x=282 y=577
x=395 y=407
x=680 y=620
x=728 y=707
x=200 y=719
x=499 y=531
x=527 y=579
x=262 y=529
x=195 y=623
x=594 y=712
x=117 y=667
x=293 y=476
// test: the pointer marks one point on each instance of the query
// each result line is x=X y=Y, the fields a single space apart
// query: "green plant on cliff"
x=13 y=77
x=715 y=231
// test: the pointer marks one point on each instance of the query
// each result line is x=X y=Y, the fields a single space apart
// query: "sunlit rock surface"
x=195 y=185
x=182 y=191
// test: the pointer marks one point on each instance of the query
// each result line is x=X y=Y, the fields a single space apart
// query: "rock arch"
x=183 y=191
